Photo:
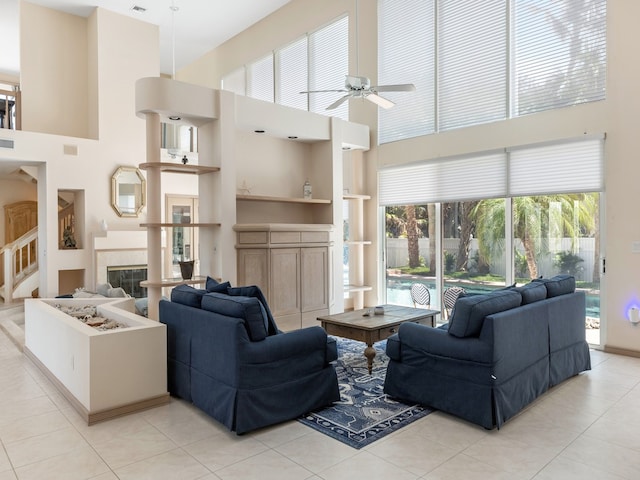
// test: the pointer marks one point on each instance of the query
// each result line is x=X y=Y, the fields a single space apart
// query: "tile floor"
x=586 y=428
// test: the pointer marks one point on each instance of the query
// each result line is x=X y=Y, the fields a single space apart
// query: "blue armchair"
x=226 y=356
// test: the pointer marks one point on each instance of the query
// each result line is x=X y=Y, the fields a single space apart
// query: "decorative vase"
x=186 y=269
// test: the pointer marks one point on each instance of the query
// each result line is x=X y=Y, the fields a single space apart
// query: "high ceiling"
x=200 y=25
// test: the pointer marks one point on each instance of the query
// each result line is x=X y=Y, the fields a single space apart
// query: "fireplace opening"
x=128 y=277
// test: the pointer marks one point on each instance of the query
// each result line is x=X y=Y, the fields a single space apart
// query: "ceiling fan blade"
x=338 y=102
x=380 y=101
x=325 y=91
x=402 y=87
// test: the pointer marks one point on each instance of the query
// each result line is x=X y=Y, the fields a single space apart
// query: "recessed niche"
x=69 y=280
x=70 y=219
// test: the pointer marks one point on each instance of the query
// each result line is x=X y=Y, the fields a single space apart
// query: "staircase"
x=19 y=261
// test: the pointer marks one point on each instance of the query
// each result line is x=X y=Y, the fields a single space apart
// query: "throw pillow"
x=558 y=285
x=212 y=285
x=103 y=289
x=532 y=292
x=117 y=292
x=254 y=291
x=187 y=295
x=250 y=309
x=469 y=312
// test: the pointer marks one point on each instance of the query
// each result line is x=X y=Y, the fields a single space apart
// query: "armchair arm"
x=286 y=345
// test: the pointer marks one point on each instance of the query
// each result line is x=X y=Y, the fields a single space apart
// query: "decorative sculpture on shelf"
x=68 y=241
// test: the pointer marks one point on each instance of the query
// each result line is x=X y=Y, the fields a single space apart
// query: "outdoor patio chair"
x=451 y=294
x=420 y=295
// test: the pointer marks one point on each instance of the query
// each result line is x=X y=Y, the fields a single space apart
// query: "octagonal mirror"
x=128 y=191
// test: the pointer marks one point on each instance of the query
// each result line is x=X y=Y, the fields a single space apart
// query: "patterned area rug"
x=364 y=413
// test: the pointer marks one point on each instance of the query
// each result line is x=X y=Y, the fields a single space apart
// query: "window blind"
x=472 y=62
x=469 y=178
x=328 y=65
x=568 y=167
x=407 y=62
x=559 y=53
x=260 y=79
x=571 y=166
x=291 y=74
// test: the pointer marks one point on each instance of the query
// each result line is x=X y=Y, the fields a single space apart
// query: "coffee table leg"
x=370 y=353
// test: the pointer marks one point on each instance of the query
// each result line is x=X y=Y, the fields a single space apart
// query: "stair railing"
x=19 y=259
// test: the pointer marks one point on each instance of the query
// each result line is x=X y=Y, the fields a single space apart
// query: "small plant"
x=568 y=263
x=449 y=262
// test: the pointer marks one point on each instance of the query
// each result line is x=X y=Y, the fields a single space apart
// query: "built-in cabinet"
x=356 y=243
x=256 y=226
x=290 y=264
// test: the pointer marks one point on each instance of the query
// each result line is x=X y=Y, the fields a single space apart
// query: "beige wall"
x=616 y=116
x=53 y=77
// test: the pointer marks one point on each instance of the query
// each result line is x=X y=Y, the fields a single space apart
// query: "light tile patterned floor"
x=588 y=427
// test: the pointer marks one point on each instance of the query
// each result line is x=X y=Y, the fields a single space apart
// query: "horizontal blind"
x=406 y=54
x=328 y=66
x=292 y=74
x=559 y=53
x=472 y=62
x=568 y=167
x=260 y=79
x=468 y=178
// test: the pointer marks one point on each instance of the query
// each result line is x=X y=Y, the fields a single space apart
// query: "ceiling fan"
x=360 y=87
x=356 y=86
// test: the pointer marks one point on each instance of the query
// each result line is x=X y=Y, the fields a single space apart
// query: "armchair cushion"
x=247 y=308
x=470 y=311
x=532 y=292
x=187 y=295
x=558 y=285
x=254 y=291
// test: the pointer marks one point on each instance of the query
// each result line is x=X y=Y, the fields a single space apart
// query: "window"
x=260 y=79
x=292 y=74
x=494 y=60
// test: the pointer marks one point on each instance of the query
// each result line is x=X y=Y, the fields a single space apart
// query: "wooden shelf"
x=179 y=168
x=267 y=198
x=172 y=282
x=355 y=196
x=357 y=242
x=357 y=288
x=185 y=225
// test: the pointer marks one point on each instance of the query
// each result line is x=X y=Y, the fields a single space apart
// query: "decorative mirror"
x=128 y=191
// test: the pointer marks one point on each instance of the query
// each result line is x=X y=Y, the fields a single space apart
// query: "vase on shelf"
x=186 y=269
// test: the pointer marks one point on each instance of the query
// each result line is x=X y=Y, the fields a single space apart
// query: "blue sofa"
x=498 y=353
x=226 y=356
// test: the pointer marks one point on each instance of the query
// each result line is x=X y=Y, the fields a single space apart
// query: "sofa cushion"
x=250 y=309
x=469 y=312
x=254 y=291
x=532 y=292
x=212 y=285
x=187 y=295
x=558 y=285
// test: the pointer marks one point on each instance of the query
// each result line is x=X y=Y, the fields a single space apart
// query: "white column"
x=154 y=216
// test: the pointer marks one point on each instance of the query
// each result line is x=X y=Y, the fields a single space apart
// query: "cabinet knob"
x=393 y=330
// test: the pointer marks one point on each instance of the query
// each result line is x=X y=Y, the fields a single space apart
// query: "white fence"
x=398 y=256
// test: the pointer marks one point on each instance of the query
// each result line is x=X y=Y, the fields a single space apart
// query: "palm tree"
x=530 y=225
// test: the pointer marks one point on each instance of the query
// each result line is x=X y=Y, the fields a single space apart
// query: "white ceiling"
x=200 y=25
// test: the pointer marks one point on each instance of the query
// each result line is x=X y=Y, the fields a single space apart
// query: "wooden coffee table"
x=371 y=329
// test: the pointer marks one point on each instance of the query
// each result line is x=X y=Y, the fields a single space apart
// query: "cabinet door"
x=253 y=269
x=315 y=278
x=284 y=281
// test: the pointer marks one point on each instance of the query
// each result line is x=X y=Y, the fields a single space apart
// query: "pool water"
x=399 y=293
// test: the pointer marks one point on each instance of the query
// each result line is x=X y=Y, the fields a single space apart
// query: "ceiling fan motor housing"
x=357 y=83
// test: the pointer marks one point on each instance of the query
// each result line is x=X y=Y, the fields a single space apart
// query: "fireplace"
x=128 y=277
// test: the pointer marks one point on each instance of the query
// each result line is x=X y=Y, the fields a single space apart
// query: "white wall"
x=616 y=116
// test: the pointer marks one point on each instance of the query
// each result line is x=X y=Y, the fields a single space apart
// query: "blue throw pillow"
x=254 y=291
x=212 y=285
x=532 y=292
x=469 y=312
x=187 y=295
x=558 y=285
x=248 y=308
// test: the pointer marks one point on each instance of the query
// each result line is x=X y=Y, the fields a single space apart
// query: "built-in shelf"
x=185 y=225
x=357 y=288
x=172 y=282
x=179 y=168
x=268 y=198
x=355 y=196
x=357 y=242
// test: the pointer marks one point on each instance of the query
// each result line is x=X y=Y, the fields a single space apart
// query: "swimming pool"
x=398 y=292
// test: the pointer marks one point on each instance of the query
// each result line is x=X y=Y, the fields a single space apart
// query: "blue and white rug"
x=364 y=413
